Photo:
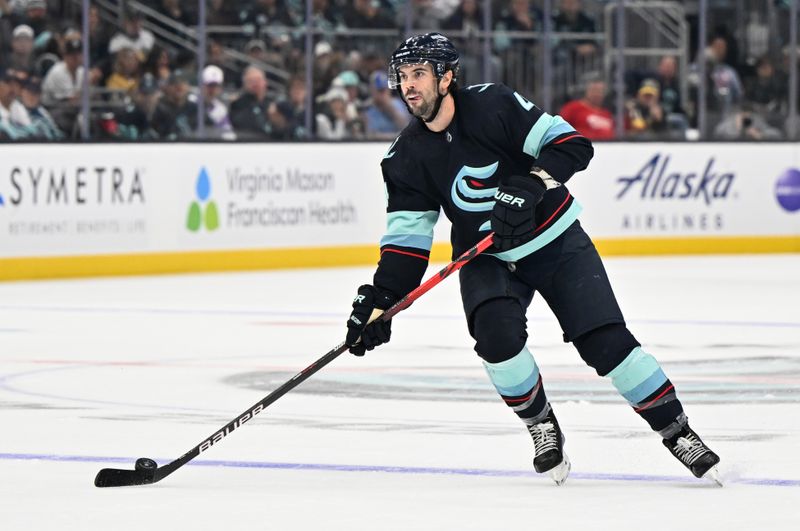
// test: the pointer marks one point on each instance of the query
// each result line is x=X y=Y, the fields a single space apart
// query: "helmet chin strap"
x=436 y=107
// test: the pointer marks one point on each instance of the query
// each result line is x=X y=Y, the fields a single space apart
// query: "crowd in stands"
x=146 y=88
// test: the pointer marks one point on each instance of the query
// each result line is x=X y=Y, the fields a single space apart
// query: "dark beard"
x=424 y=110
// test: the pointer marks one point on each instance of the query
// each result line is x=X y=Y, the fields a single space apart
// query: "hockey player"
x=492 y=160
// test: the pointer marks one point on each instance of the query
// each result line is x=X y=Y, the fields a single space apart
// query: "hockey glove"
x=514 y=210
x=372 y=334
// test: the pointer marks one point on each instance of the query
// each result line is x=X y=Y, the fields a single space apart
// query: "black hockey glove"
x=375 y=333
x=514 y=210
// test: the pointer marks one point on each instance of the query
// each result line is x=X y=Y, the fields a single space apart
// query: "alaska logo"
x=471 y=194
x=197 y=218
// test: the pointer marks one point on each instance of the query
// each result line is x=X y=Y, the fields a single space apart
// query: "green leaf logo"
x=194 y=218
x=197 y=217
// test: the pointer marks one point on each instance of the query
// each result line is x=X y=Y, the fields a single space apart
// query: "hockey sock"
x=520 y=385
x=640 y=380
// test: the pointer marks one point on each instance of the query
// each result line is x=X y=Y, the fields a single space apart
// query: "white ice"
x=95 y=373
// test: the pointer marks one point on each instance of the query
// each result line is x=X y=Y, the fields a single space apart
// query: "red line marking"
x=543 y=225
x=665 y=391
x=406 y=253
x=567 y=138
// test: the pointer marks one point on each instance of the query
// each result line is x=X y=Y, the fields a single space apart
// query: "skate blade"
x=559 y=473
x=713 y=475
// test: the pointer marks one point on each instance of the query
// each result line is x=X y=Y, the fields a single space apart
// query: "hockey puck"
x=144 y=463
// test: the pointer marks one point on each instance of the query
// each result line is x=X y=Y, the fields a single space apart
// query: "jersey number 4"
x=527 y=105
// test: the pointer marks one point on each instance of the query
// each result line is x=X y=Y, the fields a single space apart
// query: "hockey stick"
x=147 y=471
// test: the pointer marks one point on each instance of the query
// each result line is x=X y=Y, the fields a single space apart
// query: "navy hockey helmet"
x=431 y=48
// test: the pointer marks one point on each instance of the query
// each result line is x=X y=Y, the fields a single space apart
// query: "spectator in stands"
x=519 y=55
x=251 y=113
x=217 y=120
x=327 y=65
x=258 y=50
x=667 y=77
x=768 y=91
x=589 y=115
x=175 y=117
x=425 y=16
x=745 y=124
x=125 y=77
x=6 y=28
x=35 y=16
x=571 y=18
x=367 y=14
x=266 y=15
x=15 y=122
x=216 y=56
x=334 y=120
x=351 y=83
x=133 y=35
x=467 y=18
x=99 y=37
x=289 y=121
x=724 y=88
x=64 y=80
x=176 y=12
x=42 y=123
x=158 y=63
x=133 y=121
x=222 y=13
x=386 y=115
x=644 y=117
x=326 y=17
x=22 y=55
x=521 y=16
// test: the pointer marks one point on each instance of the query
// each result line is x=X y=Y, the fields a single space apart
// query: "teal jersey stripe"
x=516 y=376
x=545 y=129
x=636 y=395
x=410 y=228
x=635 y=378
x=408 y=240
x=547 y=236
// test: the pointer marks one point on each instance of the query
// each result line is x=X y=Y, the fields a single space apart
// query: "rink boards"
x=105 y=209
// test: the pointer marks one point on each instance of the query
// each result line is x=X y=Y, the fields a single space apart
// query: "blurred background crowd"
x=257 y=71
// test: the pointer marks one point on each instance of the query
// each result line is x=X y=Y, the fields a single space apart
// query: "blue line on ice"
x=597 y=476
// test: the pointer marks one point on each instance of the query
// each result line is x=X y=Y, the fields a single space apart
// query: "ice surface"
x=95 y=373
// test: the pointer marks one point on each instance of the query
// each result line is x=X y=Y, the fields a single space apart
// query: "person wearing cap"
x=333 y=122
x=386 y=115
x=42 y=123
x=21 y=56
x=349 y=80
x=644 y=116
x=15 y=121
x=64 y=81
x=175 y=117
x=217 y=119
x=133 y=35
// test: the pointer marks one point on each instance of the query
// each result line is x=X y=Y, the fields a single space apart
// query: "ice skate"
x=690 y=450
x=549 y=456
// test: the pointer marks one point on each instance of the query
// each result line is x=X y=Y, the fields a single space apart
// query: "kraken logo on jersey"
x=469 y=193
x=472 y=195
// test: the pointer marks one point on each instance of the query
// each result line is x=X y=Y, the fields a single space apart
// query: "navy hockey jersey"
x=495 y=133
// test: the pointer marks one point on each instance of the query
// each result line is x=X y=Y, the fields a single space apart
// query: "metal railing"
x=634 y=35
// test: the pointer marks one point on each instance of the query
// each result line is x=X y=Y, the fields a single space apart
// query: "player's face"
x=420 y=89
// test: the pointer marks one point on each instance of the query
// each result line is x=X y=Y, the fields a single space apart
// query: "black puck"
x=144 y=463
